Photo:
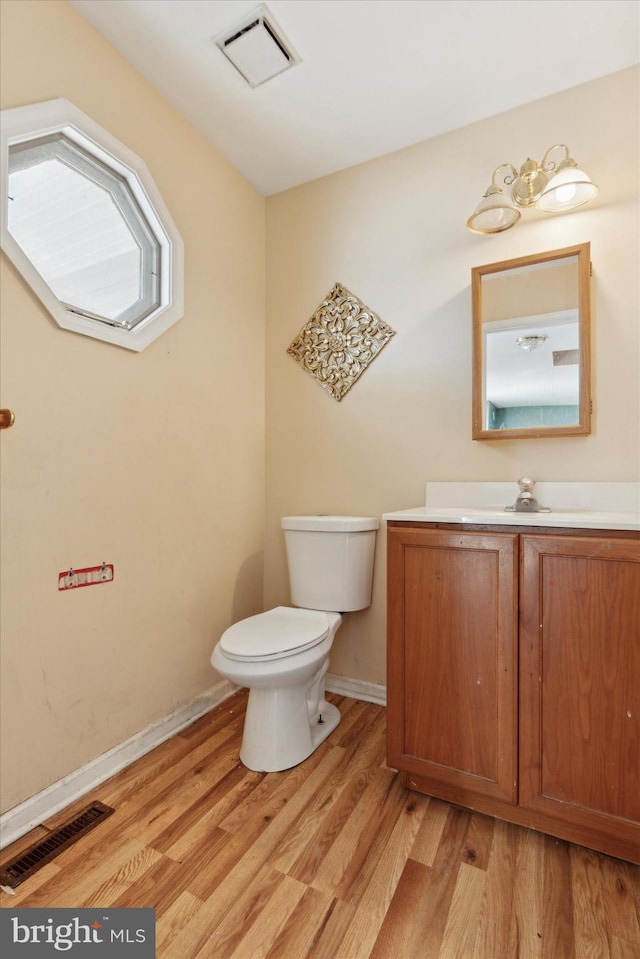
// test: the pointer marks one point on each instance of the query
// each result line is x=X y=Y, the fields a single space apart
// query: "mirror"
x=85 y=225
x=531 y=336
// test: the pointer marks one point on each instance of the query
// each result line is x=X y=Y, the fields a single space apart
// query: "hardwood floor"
x=333 y=859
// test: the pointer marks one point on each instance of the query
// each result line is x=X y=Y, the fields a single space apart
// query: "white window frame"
x=22 y=124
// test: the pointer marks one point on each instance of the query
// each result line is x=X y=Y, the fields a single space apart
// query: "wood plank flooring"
x=333 y=859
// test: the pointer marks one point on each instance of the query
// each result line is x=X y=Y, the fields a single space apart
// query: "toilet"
x=282 y=655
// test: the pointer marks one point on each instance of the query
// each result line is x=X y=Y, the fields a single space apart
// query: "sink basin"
x=579 y=518
x=489 y=512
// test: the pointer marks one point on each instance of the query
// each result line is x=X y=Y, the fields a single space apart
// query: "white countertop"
x=572 y=505
x=568 y=519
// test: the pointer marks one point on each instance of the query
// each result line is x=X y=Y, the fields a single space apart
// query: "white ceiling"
x=375 y=76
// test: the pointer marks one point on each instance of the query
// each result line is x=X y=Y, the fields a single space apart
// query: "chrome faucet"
x=526 y=501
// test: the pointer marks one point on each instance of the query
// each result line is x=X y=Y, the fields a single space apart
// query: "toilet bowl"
x=282 y=655
x=287 y=715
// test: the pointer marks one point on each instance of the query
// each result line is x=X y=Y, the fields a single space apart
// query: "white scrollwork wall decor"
x=340 y=341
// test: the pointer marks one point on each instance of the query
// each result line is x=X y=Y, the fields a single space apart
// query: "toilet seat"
x=277 y=633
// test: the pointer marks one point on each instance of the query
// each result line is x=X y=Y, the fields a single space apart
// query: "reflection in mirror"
x=84 y=223
x=531 y=346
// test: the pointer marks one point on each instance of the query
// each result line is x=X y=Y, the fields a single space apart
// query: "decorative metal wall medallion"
x=340 y=341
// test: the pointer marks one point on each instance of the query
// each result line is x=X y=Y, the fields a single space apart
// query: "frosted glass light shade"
x=568 y=189
x=493 y=214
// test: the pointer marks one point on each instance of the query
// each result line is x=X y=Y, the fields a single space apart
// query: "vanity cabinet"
x=513 y=679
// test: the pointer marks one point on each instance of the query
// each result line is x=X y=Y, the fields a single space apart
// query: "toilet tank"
x=330 y=561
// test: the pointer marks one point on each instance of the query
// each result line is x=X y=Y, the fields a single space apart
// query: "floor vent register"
x=23 y=865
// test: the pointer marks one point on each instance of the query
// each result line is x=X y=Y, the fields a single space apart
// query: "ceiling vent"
x=257 y=47
x=566 y=357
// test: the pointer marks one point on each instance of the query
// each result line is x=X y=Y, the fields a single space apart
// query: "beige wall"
x=392 y=231
x=153 y=461
x=506 y=295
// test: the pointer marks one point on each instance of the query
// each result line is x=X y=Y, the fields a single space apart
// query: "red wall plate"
x=89 y=576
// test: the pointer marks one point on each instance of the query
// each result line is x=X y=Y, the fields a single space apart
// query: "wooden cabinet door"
x=580 y=685
x=452 y=661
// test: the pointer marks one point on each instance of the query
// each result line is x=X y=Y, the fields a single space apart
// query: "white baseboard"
x=356 y=689
x=37 y=809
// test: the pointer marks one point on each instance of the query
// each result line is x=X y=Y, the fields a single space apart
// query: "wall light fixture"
x=555 y=186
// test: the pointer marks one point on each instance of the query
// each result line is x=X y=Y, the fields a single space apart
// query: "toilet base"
x=269 y=711
x=330 y=719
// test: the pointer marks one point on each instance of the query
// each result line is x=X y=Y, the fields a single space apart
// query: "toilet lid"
x=275 y=634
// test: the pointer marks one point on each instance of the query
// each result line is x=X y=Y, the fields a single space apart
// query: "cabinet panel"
x=452 y=658
x=580 y=681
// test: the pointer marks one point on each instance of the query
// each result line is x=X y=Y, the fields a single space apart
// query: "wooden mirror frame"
x=583 y=427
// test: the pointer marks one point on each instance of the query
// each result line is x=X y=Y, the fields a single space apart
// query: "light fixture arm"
x=507 y=180
x=549 y=165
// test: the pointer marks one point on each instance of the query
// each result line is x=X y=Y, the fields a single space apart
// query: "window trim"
x=23 y=124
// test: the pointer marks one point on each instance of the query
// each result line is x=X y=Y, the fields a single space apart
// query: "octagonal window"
x=87 y=228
